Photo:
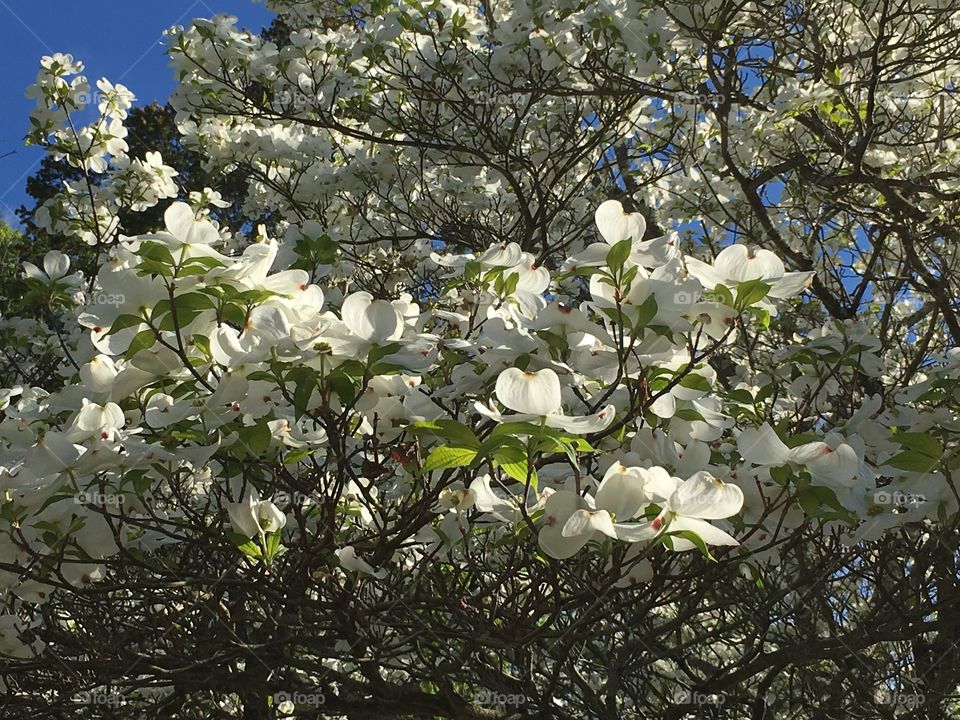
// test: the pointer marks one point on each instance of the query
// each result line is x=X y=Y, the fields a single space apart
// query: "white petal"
x=639 y=571
x=485 y=500
x=556 y=511
x=374 y=320
x=56 y=264
x=836 y=467
x=270 y=517
x=183 y=225
x=792 y=283
x=762 y=446
x=559 y=547
x=587 y=522
x=615 y=225
x=536 y=393
x=635 y=532
x=704 y=496
x=664 y=406
x=738 y=263
x=502 y=255
x=659 y=483
x=585 y=424
x=243 y=516
x=349 y=560
x=99 y=374
x=708 y=533
x=96 y=537
x=808 y=452
x=499 y=417
x=623 y=492
x=225 y=345
x=32 y=271
x=708 y=275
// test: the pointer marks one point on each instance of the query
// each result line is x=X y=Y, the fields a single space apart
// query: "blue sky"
x=116 y=39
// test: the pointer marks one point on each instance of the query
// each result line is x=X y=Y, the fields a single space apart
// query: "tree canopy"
x=594 y=358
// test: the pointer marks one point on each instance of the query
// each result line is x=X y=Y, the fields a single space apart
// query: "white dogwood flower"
x=535 y=397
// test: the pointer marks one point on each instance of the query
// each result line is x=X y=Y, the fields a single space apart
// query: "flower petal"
x=623 y=492
x=762 y=446
x=587 y=522
x=537 y=393
x=373 y=320
x=585 y=424
x=710 y=534
x=615 y=225
x=704 y=496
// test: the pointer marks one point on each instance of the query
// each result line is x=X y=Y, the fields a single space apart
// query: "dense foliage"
x=556 y=360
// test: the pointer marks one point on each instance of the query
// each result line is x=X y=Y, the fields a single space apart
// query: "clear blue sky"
x=116 y=39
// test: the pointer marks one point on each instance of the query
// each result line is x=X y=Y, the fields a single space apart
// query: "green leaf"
x=723 y=295
x=304 y=380
x=202 y=261
x=913 y=461
x=143 y=340
x=923 y=443
x=741 y=396
x=781 y=474
x=193 y=301
x=295 y=456
x=245 y=545
x=381 y=351
x=274 y=547
x=255 y=438
x=202 y=343
x=471 y=271
x=762 y=316
x=646 y=312
x=694 y=381
x=157 y=252
x=123 y=322
x=456 y=432
x=513 y=462
x=618 y=254
x=448 y=456
x=152 y=267
x=692 y=537
x=750 y=292
x=523 y=429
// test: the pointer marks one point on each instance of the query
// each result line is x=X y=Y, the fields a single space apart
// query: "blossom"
x=739 y=263
x=833 y=465
x=253 y=516
x=349 y=560
x=571 y=520
x=700 y=498
x=55 y=268
x=535 y=397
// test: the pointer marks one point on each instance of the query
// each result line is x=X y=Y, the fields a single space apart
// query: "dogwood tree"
x=599 y=361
